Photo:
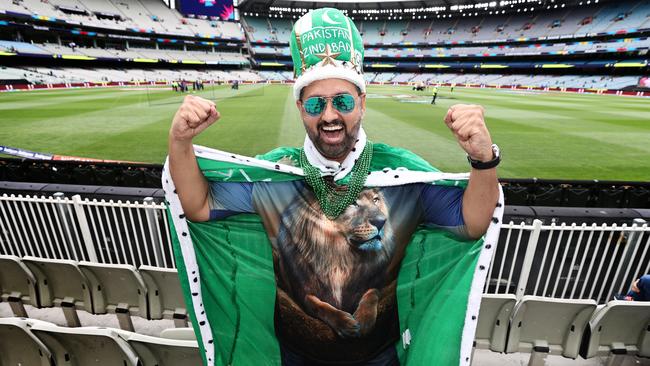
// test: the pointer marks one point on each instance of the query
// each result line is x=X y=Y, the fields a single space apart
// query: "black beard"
x=337 y=151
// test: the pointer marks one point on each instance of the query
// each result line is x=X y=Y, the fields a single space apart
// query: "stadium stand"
x=527 y=329
x=22 y=47
x=17 y=284
x=158 y=39
x=131 y=53
x=178 y=333
x=275 y=75
x=507 y=322
x=541 y=81
x=41 y=75
x=612 y=46
x=493 y=318
x=617 y=329
x=547 y=35
x=146 y=15
x=460 y=46
x=85 y=345
x=61 y=283
x=164 y=294
x=34 y=342
x=117 y=289
x=485 y=28
x=164 y=351
x=20 y=346
x=543 y=326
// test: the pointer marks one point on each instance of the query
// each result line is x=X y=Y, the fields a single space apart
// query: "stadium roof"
x=405 y=5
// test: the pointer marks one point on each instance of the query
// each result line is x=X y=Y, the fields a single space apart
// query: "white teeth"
x=332 y=128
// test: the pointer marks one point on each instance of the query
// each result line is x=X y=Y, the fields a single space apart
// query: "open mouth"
x=333 y=134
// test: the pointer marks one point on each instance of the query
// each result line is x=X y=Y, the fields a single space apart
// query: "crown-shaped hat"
x=326 y=44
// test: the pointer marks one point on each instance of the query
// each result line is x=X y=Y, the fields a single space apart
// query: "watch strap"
x=482 y=165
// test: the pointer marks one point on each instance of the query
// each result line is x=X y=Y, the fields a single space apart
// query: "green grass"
x=544 y=135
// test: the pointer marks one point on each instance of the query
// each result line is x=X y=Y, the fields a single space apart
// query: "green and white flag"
x=227 y=272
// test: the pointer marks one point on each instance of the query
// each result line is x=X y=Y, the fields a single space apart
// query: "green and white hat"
x=326 y=44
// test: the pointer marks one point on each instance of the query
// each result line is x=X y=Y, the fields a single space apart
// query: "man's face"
x=333 y=132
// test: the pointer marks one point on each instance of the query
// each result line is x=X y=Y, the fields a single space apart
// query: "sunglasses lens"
x=344 y=103
x=315 y=105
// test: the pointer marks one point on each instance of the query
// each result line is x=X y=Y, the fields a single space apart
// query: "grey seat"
x=59 y=279
x=19 y=346
x=164 y=293
x=155 y=351
x=184 y=334
x=118 y=289
x=17 y=284
x=493 y=319
x=86 y=346
x=620 y=327
x=60 y=283
x=545 y=326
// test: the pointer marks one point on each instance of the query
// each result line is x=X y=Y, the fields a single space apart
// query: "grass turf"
x=544 y=135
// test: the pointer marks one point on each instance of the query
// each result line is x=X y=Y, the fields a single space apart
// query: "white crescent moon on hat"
x=327 y=19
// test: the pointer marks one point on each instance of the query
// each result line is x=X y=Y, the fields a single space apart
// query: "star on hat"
x=328 y=57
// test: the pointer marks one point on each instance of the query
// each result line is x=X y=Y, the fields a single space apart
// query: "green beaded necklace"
x=332 y=201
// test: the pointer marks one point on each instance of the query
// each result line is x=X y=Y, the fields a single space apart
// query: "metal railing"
x=569 y=261
x=564 y=261
x=102 y=231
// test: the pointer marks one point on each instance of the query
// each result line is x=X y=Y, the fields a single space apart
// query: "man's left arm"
x=467 y=123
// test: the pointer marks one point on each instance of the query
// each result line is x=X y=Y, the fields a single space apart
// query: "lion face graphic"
x=362 y=223
x=334 y=269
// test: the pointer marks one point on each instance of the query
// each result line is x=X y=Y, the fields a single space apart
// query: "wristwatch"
x=482 y=165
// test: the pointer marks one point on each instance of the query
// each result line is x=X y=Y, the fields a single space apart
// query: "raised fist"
x=467 y=123
x=193 y=116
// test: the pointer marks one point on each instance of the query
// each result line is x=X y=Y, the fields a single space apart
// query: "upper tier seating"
x=147 y=15
x=607 y=17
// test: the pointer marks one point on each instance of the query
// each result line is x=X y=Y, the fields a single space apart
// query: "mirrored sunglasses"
x=343 y=103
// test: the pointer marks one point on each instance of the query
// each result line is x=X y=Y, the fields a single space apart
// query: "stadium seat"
x=86 y=346
x=60 y=283
x=617 y=329
x=118 y=289
x=17 y=284
x=19 y=346
x=165 y=295
x=162 y=351
x=493 y=318
x=544 y=326
x=186 y=334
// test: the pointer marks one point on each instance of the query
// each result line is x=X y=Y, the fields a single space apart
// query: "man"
x=337 y=244
x=435 y=94
x=639 y=291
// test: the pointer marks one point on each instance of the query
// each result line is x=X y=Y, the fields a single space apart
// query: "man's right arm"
x=193 y=116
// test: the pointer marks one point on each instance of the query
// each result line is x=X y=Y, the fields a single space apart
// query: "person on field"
x=434 y=93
